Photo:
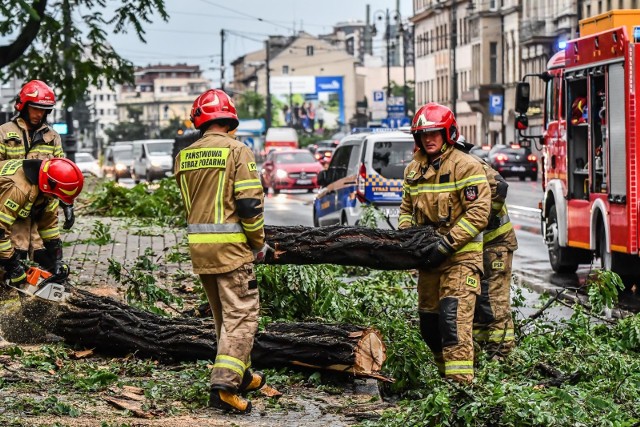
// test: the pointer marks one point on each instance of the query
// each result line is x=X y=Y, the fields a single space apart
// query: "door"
x=328 y=208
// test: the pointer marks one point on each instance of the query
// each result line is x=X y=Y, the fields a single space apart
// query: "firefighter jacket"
x=451 y=194
x=16 y=143
x=499 y=231
x=223 y=197
x=20 y=199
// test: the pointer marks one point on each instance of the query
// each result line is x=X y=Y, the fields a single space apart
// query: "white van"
x=152 y=159
x=280 y=139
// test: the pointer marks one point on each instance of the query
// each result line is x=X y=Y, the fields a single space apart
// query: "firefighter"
x=492 y=321
x=447 y=189
x=26 y=189
x=29 y=136
x=223 y=197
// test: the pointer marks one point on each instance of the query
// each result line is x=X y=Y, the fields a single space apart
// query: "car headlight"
x=281 y=174
x=120 y=167
x=155 y=163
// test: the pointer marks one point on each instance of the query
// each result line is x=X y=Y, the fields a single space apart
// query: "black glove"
x=69 y=216
x=494 y=222
x=61 y=271
x=436 y=253
x=14 y=271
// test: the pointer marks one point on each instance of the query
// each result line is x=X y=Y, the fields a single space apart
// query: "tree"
x=128 y=131
x=250 y=105
x=171 y=130
x=398 y=90
x=72 y=54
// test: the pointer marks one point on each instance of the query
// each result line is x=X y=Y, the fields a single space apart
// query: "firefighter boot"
x=228 y=401
x=252 y=381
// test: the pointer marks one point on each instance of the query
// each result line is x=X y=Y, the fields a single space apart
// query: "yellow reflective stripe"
x=253 y=227
x=496 y=335
x=184 y=188
x=468 y=227
x=5 y=245
x=57 y=151
x=489 y=236
x=46 y=149
x=6 y=218
x=16 y=151
x=229 y=362
x=20 y=278
x=217 y=238
x=53 y=205
x=458 y=367
x=497 y=205
x=405 y=218
x=470 y=247
x=49 y=233
x=447 y=186
x=246 y=185
x=219 y=205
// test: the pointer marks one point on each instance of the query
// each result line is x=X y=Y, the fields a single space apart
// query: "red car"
x=290 y=170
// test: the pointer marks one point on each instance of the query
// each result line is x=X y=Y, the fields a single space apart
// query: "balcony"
x=478 y=96
x=534 y=32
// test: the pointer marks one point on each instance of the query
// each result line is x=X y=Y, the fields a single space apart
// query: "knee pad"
x=483 y=313
x=430 y=331
x=448 y=321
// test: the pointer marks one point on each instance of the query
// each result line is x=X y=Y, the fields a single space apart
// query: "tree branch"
x=11 y=52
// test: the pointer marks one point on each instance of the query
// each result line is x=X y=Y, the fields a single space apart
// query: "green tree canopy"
x=64 y=42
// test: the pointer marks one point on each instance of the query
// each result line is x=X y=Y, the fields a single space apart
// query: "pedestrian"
x=493 y=323
x=447 y=189
x=28 y=136
x=26 y=189
x=311 y=114
x=320 y=116
x=223 y=197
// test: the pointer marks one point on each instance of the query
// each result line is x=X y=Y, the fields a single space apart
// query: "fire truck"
x=591 y=142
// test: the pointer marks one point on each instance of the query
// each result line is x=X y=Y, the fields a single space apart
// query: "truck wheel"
x=559 y=257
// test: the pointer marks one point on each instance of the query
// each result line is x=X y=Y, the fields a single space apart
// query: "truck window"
x=390 y=158
x=552 y=99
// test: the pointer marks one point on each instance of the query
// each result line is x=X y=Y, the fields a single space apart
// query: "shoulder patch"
x=411 y=174
x=11 y=205
x=472 y=281
x=13 y=135
x=252 y=166
x=471 y=193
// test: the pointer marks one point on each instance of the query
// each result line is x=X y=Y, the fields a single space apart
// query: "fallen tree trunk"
x=116 y=328
x=358 y=246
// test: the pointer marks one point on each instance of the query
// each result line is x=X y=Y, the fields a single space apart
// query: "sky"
x=192 y=33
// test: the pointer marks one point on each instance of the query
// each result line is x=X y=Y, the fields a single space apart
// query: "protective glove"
x=61 y=270
x=69 y=216
x=260 y=254
x=436 y=253
x=494 y=222
x=14 y=270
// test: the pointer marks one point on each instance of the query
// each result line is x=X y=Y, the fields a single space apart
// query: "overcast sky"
x=192 y=34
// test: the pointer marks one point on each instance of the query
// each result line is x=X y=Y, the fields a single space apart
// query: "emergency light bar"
x=381 y=129
x=636 y=34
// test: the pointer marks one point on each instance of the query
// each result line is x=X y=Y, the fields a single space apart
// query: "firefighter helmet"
x=214 y=104
x=431 y=117
x=61 y=178
x=578 y=110
x=36 y=93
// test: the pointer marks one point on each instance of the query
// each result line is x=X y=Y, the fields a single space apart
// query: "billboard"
x=309 y=102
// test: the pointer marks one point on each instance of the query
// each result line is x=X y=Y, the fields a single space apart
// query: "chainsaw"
x=42 y=284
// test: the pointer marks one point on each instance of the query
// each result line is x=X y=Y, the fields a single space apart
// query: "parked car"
x=514 y=160
x=290 y=170
x=88 y=164
x=152 y=159
x=366 y=169
x=118 y=161
x=324 y=155
x=325 y=143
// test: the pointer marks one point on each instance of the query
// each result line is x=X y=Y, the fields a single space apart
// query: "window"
x=493 y=62
x=309 y=50
x=285 y=69
x=340 y=162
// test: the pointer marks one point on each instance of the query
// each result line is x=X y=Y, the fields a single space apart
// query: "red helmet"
x=432 y=117
x=61 y=178
x=214 y=104
x=36 y=93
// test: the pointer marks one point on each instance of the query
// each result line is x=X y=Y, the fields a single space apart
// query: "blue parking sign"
x=378 y=96
x=495 y=105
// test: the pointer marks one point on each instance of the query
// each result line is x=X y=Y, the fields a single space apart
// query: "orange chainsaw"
x=42 y=284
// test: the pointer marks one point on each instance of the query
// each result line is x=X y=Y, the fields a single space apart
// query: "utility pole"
x=268 y=85
x=388 y=39
x=70 y=141
x=222 y=59
x=454 y=44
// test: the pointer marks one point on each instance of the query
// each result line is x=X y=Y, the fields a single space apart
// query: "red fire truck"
x=591 y=142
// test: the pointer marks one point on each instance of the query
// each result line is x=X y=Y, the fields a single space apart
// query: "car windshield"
x=123 y=154
x=84 y=158
x=160 y=148
x=300 y=157
x=390 y=158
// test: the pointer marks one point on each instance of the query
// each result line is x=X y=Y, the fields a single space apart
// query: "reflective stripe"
x=448 y=186
x=496 y=335
x=20 y=278
x=458 y=367
x=16 y=151
x=219 y=205
x=49 y=233
x=217 y=238
x=5 y=245
x=246 y=185
x=57 y=151
x=471 y=247
x=53 y=205
x=405 y=218
x=6 y=218
x=490 y=235
x=45 y=149
x=496 y=205
x=229 y=362
x=214 y=228
x=468 y=227
x=255 y=226
x=184 y=189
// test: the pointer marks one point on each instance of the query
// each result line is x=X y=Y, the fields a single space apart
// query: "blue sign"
x=61 y=128
x=495 y=105
x=393 y=122
x=249 y=142
x=378 y=96
x=328 y=84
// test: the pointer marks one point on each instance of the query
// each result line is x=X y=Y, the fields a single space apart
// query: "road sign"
x=495 y=104
x=378 y=96
x=391 y=122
